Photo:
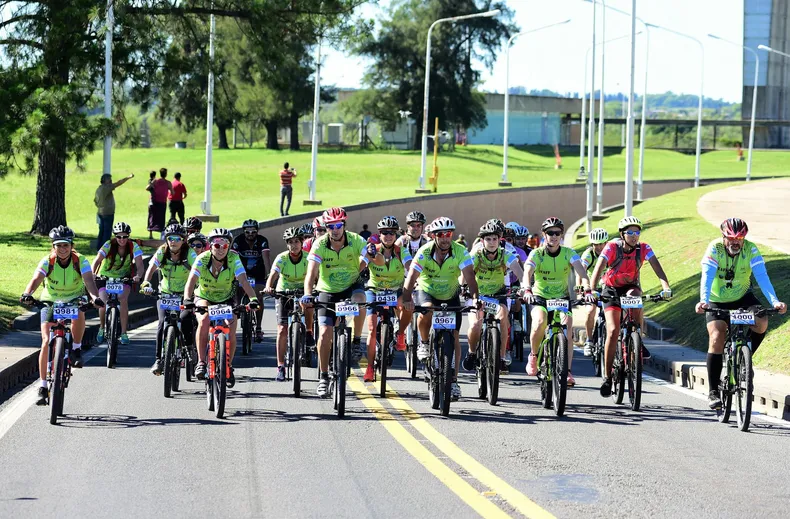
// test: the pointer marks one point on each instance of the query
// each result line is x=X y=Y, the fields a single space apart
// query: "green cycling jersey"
x=219 y=288
x=174 y=275
x=291 y=274
x=552 y=271
x=337 y=271
x=490 y=274
x=63 y=283
x=440 y=281
x=117 y=265
x=726 y=278
x=389 y=276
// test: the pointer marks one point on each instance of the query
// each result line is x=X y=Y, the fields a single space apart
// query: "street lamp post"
x=754 y=98
x=701 y=89
x=107 y=166
x=206 y=205
x=629 y=159
x=314 y=139
x=424 y=146
x=601 y=115
x=505 y=181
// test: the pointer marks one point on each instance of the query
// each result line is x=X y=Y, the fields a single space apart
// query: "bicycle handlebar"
x=43 y=304
x=648 y=298
x=758 y=312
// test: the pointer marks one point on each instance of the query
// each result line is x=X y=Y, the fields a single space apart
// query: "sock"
x=325 y=374
x=357 y=340
x=76 y=345
x=714 y=364
x=757 y=339
x=43 y=383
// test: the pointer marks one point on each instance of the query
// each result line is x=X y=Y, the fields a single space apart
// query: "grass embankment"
x=679 y=236
x=245 y=185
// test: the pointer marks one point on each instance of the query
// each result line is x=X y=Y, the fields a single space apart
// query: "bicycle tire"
x=493 y=361
x=635 y=370
x=209 y=393
x=446 y=371
x=169 y=356
x=112 y=337
x=220 y=376
x=725 y=392
x=297 y=345
x=544 y=375
x=340 y=386
x=58 y=391
x=412 y=362
x=559 y=376
x=599 y=349
x=618 y=382
x=246 y=333
x=480 y=368
x=180 y=350
x=434 y=388
x=386 y=339
x=744 y=384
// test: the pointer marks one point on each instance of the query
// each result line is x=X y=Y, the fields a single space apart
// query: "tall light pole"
x=629 y=159
x=209 y=117
x=107 y=166
x=754 y=98
x=504 y=181
x=486 y=14
x=601 y=115
x=316 y=106
x=701 y=90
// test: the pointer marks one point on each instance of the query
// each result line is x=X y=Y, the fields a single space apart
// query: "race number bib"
x=490 y=305
x=63 y=311
x=557 y=304
x=252 y=282
x=386 y=298
x=218 y=312
x=170 y=303
x=347 y=309
x=741 y=317
x=630 y=302
x=113 y=287
x=444 y=320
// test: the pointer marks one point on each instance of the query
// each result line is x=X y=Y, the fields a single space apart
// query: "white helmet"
x=628 y=221
x=442 y=224
x=599 y=236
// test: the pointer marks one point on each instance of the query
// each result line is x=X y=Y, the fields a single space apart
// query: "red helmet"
x=318 y=223
x=334 y=215
x=734 y=228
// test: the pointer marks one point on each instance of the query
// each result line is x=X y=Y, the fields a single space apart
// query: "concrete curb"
x=27 y=367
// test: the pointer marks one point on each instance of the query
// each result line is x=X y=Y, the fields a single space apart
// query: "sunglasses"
x=174 y=239
x=197 y=245
x=335 y=226
x=387 y=233
x=553 y=234
x=222 y=245
x=119 y=237
x=734 y=238
x=444 y=234
x=632 y=233
x=251 y=231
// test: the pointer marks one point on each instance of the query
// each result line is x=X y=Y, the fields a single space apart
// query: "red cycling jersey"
x=627 y=271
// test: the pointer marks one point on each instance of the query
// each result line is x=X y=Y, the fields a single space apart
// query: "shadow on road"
x=115 y=421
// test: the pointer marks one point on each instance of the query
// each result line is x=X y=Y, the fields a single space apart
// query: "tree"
x=398 y=72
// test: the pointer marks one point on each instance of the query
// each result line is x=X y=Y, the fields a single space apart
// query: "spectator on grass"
x=105 y=206
x=462 y=240
x=365 y=232
x=160 y=189
x=286 y=188
x=176 y=197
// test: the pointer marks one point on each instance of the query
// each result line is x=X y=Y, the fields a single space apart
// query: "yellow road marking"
x=443 y=473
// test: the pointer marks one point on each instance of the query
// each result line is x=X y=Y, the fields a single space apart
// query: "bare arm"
x=139 y=266
x=311 y=277
x=581 y=275
x=245 y=284
x=516 y=269
x=97 y=263
x=189 y=289
x=526 y=280
x=411 y=281
x=90 y=284
x=267 y=260
x=662 y=277
x=122 y=181
x=271 y=281
x=469 y=276
x=38 y=277
x=600 y=266
x=150 y=272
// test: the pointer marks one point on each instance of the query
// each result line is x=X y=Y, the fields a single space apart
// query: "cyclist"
x=491 y=264
x=173 y=260
x=388 y=262
x=623 y=257
x=414 y=237
x=253 y=250
x=306 y=231
x=197 y=242
x=66 y=274
x=210 y=282
x=551 y=265
x=435 y=271
x=319 y=229
x=119 y=257
x=335 y=262
x=598 y=238
x=288 y=273
x=193 y=225
x=522 y=237
x=727 y=268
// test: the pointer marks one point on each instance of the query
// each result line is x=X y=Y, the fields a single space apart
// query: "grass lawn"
x=679 y=237
x=344 y=177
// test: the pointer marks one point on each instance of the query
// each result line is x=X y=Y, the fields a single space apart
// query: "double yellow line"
x=470 y=495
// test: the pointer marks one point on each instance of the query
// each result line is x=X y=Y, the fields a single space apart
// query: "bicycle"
x=248 y=323
x=294 y=355
x=599 y=340
x=59 y=364
x=489 y=360
x=628 y=359
x=174 y=349
x=412 y=343
x=384 y=302
x=112 y=316
x=440 y=368
x=218 y=365
x=738 y=377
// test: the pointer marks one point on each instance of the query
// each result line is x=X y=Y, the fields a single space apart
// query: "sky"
x=553 y=58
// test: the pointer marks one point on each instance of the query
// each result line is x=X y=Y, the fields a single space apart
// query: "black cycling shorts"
x=326 y=316
x=616 y=293
x=749 y=300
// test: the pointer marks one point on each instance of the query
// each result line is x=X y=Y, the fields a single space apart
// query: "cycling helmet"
x=415 y=216
x=509 y=233
x=499 y=225
x=334 y=215
x=732 y=228
x=488 y=228
x=220 y=232
x=522 y=232
x=197 y=236
x=318 y=223
x=61 y=234
x=388 y=222
x=512 y=225
x=442 y=224
x=628 y=221
x=598 y=236
x=193 y=222
x=428 y=228
x=175 y=229
x=292 y=232
x=552 y=221
x=306 y=230
x=121 y=227
x=250 y=223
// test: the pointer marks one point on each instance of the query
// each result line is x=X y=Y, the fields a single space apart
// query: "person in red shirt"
x=160 y=189
x=286 y=188
x=176 y=198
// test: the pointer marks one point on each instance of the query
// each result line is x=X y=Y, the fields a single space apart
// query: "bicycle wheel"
x=296 y=342
x=58 y=385
x=634 y=370
x=412 y=362
x=618 y=381
x=544 y=374
x=179 y=353
x=385 y=336
x=725 y=392
x=598 y=357
x=170 y=346
x=343 y=356
x=493 y=363
x=113 y=336
x=209 y=393
x=447 y=347
x=246 y=333
x=559 y=376
x=480 y=368
x=744 y=386
x=221 y=375
x=434 y=386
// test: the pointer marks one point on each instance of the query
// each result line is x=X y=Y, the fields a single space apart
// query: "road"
x=124 y=450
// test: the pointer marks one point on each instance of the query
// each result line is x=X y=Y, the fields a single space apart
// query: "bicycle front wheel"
x=447 y=347
x=744 y=386
x=343 y=356
x=169 y=357
x=220 y=375
x=246 y=334
x=385 y=337
x=725 y=392
x=113 y=327
x=635 y=370
x=598 y=357
x=58 y=387
x=412 y=362
x=559 y=375
x=545 y=374
x=297 y=347
x=492 y=364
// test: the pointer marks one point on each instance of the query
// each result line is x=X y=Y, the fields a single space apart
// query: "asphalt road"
x=123 y=450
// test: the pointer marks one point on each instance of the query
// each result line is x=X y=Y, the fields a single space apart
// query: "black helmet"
x=197 y=236
x=415 y=216
x=175 y=229
x=306 y=230
x=193 y=222
x=292 y=232
x=250 y=223
x=388 y=222
x=61 y=234
x=552 y=221
x=220 y=232
x=121 y=227
x=488 y=228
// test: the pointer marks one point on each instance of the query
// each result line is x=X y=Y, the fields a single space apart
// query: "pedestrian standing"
x=365 y=232
x=160 y=189
x=176 y=197
x=286 y=187
x=105 y=206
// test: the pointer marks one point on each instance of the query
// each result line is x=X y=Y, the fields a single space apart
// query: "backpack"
x=618 y=258
x=75 y=262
